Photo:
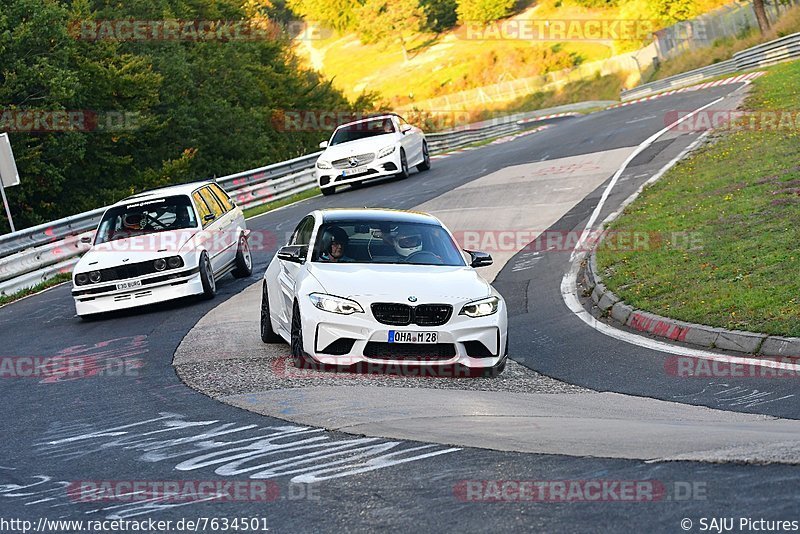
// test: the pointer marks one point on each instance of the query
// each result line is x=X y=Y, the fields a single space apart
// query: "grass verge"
x=57 y=279
x=722 y=227
x=258 y=210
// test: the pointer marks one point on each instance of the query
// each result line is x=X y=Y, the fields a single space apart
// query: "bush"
x=484 y=11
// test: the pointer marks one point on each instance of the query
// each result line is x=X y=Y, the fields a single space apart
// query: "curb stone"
x=674 y=330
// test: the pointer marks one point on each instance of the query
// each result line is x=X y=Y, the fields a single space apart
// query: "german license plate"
x=354 y=171
x=128 y=285
x=403 y=336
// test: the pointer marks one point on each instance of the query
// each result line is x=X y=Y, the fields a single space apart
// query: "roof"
x=170 y=190
x=371 y=118
x=377 y=214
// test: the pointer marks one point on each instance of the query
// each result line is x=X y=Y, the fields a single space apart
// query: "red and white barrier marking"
x=725 y=81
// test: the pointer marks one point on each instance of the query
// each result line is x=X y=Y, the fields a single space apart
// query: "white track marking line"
x=639 y=149
x=569 y=285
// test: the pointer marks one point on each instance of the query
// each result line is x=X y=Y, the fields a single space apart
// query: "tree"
x=389 y=21
x=192 y=109
x=484 y=11
x=336 y=14
x=440 y=15
x=761 y=16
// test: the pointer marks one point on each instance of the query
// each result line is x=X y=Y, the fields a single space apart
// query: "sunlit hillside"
x=449 y=62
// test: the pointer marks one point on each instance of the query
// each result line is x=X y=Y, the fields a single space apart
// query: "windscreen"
x=386 y=242
x=362 y=130
x=146 y=217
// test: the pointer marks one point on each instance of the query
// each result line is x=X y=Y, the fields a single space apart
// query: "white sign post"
x=9 y=177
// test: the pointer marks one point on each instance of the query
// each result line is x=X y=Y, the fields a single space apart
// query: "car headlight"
x=160 y=264
x=330 y=303
x=174 y=262
x=385 y=151
x=81 y=279
x=323 y=164
x=481 y=308
x=94 y=276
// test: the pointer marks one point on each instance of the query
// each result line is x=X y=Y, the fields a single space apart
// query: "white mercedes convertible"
x=370 y=287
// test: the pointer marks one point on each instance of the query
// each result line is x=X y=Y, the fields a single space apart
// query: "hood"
x=362 y=146
x=398 y=282
x=134 y=250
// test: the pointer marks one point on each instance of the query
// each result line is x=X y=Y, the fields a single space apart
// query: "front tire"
x=299 y=357
x=403 y=174
x=244 y=260
x=426 y=158
x=268 y=335
x=207 y=277
x=327 y=191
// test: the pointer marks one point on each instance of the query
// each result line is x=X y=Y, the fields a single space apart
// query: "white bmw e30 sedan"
x=161 y=245
x=374 y=147
x=367 y=287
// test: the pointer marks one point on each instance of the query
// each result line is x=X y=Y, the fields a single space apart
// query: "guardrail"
x=769 y=53
x=36 y=254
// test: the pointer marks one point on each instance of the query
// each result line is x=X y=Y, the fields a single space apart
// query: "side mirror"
x=323 y=144
x=86 y=240
x=405 y=128
x=293 y=253
x=479 y=259
x=209 y=217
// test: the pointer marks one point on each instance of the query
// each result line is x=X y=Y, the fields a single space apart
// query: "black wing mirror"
x=87 y=240
x=293 y=253
x=479 y=259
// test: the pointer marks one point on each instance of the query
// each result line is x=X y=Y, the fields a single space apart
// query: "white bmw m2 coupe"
x=160 y=245
x=374 y=286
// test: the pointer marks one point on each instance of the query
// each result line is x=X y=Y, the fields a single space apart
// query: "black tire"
x=426 y=158
x=327 y=191
x=299 y=357
x=244 y=260
x=268 y=335
x=403 y=174
x=207 y=277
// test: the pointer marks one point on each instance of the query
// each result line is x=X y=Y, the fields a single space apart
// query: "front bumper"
x=378 y=168
x=474 y=343
x=182 y=286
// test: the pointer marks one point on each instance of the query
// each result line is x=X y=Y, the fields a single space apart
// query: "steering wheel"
x=424 y=254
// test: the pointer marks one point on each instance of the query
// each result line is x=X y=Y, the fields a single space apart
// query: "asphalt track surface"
x=146 y=425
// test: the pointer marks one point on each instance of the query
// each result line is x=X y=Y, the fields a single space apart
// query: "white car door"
x=234 y=219
x=222 y=244
x=411 y=140
x=289 y=271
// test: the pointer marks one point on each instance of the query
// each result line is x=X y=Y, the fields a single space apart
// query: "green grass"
x=57 y=279
x=258 y=210
x=739 y=200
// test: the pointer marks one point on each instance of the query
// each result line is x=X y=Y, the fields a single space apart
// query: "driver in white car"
x=334 y=241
